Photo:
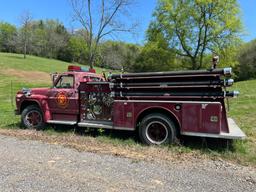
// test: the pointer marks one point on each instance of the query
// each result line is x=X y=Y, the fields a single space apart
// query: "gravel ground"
x=27 y=165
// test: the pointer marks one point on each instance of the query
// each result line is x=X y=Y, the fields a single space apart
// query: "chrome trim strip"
x=62 y=122
x=125 y=128
x=105 y=126
x=95 y=125
x=153 y=101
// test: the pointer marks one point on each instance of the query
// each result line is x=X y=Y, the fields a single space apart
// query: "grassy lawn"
x=32 y=63
x=15 y=73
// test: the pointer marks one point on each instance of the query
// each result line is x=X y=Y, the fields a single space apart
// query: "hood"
x=39 y=91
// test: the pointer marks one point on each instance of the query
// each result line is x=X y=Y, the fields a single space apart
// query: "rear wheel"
x=157 y=129
x=32 y=117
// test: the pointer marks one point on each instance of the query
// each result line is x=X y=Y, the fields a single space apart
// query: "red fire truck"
x=159 y=105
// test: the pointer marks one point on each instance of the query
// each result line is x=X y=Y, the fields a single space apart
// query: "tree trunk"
x=91 y=60
x=194 y=63
x=25 y=50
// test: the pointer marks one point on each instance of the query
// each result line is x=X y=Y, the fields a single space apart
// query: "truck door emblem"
x=62 y=99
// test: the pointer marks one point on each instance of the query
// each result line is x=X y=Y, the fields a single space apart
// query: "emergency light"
x=80 y=69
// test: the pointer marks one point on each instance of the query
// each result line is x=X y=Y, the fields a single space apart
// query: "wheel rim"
x=156 y=132
x=33 y=119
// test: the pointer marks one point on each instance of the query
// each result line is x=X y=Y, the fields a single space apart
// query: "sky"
x=10 y=11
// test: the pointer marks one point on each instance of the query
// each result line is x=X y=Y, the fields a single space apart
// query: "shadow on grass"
x=131 y=137
x=207 y=144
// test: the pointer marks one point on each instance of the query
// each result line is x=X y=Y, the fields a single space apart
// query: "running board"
x=61 y=122
x=104 y=125
x=97 y=124
x=234 y=132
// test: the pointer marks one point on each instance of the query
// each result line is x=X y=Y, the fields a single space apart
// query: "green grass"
x=33 y=63
x=242 y=109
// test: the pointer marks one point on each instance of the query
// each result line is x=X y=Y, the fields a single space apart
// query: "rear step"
x=234 y=132
x=61 y=122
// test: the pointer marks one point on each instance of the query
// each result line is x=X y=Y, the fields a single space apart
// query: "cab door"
x=63 y=99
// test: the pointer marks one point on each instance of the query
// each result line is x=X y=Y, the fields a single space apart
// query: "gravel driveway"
x=27 y=165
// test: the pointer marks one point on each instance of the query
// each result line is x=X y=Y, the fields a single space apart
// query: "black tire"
x=32 y=118
x=157 y=129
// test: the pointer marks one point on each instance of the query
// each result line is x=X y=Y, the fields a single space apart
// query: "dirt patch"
x=27 y=76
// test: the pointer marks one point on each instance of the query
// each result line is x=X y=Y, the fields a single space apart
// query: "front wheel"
x=157 y=129
x=32 y=117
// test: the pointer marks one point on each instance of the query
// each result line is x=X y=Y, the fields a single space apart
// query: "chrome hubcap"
x=156 y=132
x=33 y=118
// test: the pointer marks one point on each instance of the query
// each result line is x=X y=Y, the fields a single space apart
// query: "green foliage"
x=156 y=54
x=193 y=28
x=154 y=57
x=247 y=61
x=78 y=49
x=118 y=55
x=50 y=39
x=7 y=33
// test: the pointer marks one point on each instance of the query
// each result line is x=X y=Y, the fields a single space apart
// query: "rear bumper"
x=234 y=132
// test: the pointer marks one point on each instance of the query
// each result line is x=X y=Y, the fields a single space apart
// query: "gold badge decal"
x=62 y=99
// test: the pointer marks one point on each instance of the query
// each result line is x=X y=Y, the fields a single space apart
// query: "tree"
x=156 y=54
x=25 y=20
x=155 y=58
x=56 y=37
x=247 y=61
x=77 y=47
x=194 y=28
x=107 y=22
x=7 y=35
x=118 y=55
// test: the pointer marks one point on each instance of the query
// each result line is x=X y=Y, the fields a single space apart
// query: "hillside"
x=16 y=72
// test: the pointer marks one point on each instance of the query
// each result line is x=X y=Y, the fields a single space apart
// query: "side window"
x=65 y=81
x=89 y=79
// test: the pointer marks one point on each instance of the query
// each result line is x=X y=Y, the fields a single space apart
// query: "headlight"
x=26 y=91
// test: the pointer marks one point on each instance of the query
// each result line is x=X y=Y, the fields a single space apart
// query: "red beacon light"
x=80 y=69
x=74 y=68
x=92 y=70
